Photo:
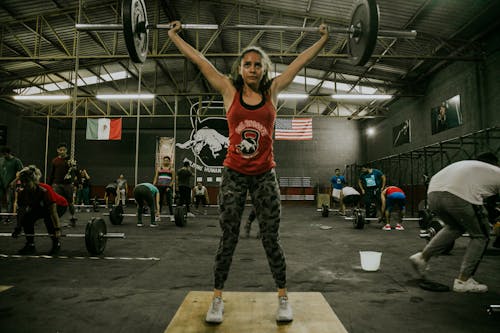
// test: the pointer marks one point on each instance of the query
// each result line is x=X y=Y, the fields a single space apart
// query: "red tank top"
x=392 y=189
x=251 y=127
x=57 y=198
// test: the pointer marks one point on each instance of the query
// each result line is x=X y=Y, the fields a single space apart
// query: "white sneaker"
x=172 y=218
x=157 y=219
x=139 y=224
x=399 y=227
x=418 y=263
x=386 y=227
x=285 y=312
x=471 y=286
x=189 y=214
x=215 y=311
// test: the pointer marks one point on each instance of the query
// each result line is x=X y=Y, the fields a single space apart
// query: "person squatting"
x=34 y=201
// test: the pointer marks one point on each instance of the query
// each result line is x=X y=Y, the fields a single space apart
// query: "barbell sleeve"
x=99 y=27
x=410 y=34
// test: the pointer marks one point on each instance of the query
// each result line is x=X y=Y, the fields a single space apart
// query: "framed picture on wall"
x=447 y=115
x=401 y=133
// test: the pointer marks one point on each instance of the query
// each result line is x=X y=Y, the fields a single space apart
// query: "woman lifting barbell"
x=35 y=200
x=250 y=98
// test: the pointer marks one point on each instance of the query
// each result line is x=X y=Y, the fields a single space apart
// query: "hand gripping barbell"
x=362 y=32
x=95 y=236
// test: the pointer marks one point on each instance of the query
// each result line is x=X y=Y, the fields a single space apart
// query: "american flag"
x=293 y=129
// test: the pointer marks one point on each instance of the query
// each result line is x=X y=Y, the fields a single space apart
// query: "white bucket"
x=370 y=260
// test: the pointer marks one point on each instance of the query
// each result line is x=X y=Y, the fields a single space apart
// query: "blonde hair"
x=30 y=173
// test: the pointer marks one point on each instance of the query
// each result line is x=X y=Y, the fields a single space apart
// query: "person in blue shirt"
x=338 y=182
x=371 y=182
x=147 y=194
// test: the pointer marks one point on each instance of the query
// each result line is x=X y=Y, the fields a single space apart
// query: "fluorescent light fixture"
x=42 y=98
x=293 y=96
x=361 y=96
x=126 y=96
x=370 y=131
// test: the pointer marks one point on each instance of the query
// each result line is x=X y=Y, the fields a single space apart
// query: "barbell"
x=362 y=32
x=358 y=220
x=95 y=236
x=116 y=215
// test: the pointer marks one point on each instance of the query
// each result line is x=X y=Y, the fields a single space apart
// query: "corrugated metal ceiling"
x=38 y=40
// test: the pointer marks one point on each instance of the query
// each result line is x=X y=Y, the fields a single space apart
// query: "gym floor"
x=140 y=281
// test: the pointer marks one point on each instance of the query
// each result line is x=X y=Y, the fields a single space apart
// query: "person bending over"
x=392 y=197
x=147 y=195
x=37 y=201
x=350 y=197
x=110 y=194
x=456 y=195
x=200 y=194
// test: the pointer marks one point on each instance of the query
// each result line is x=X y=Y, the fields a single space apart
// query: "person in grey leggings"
x=456 y=194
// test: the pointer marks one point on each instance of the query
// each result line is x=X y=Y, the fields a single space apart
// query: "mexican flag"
x=104 y=129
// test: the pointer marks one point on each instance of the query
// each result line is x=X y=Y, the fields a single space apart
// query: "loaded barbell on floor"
x=116 y=215
x=362 y=32
x=95 y=236
x=358 y=220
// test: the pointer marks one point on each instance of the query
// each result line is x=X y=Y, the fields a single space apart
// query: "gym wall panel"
x=477 y=84
x=336 y=143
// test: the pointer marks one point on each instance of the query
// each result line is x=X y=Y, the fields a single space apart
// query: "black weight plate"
x=180 y=216
x=134 y=15
x=359 y=221
x=325 y=211
x=94 y=232
x=434 y=226
x=364 y=18
x=425 y=217
x=116 y=215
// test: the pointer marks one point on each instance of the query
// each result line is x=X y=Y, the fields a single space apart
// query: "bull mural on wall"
x=209 y=138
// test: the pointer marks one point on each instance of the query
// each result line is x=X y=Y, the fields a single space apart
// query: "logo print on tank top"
x=249 y=144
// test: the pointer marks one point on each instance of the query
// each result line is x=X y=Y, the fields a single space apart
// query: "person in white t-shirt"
x=455 y=195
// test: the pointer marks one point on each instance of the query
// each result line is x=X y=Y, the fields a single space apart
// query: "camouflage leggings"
x=265 y=195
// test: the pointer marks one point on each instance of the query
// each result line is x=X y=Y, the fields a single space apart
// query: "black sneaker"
x=56 y=247
x=27 y=249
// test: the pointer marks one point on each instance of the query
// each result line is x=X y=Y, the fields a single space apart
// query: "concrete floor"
x=82 y=294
